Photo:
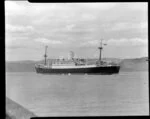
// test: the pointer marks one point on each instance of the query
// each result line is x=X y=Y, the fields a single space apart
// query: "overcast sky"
x=75 y=27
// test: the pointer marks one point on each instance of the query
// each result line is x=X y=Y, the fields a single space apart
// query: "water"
x=80 y=95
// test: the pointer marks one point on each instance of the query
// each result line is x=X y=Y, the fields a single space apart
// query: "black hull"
x=91 y=70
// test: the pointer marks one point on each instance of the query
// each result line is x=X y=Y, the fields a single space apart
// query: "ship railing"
x=42 y=66
x=106 y=63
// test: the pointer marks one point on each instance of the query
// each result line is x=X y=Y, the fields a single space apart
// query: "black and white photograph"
x=76 y=59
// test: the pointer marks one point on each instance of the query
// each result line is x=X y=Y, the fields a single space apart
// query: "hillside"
x=23 y=66
x=16 y=111
x=137 y=64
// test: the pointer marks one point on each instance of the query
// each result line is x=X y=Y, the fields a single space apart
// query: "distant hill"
x=21 y=66
x=137 y=64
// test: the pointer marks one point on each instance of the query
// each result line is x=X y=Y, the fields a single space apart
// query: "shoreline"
x=16 y=111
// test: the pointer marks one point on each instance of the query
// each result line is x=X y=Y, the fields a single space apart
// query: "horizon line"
x=81 y=58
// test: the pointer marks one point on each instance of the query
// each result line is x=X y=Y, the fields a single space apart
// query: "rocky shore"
x=16 y=111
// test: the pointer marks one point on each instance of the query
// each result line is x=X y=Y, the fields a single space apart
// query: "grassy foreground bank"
x=16 y=111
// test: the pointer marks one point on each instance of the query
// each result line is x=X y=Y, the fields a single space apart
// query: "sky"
x=76 y=27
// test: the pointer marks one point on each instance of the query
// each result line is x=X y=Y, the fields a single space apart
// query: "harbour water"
x=125 y=93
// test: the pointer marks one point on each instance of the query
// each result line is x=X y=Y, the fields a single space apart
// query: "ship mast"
x=45 y=56
x=100 y=48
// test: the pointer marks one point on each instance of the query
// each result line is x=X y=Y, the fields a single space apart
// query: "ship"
x=77 y=66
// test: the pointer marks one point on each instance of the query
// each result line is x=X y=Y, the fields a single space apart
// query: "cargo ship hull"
x=89 y=70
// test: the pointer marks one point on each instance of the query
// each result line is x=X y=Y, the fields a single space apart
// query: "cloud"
x=17 y=42
x=74 y=25
x=126 y=26
x=48 y=41
x=138 y=6
x=128 y=42
x=89 y=43
x=98 y=6
x=12 y=8
x=144 y=25
x=115 y=42
x=15 y=8
x=10 y=40
x=66 y=13
x=16 y=46
x=69 y=27
x=18 y=28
